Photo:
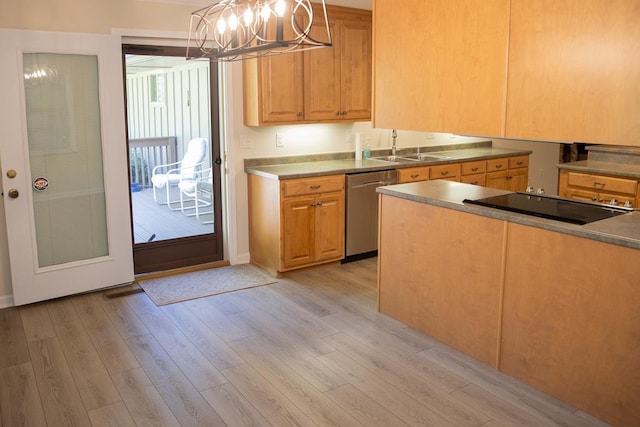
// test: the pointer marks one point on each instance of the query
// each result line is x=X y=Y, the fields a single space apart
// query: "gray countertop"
x=622 y=230
x=602 y=167
x=350 y=165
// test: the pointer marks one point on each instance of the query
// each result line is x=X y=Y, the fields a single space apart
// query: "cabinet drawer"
x=413 y=174
x=497 y=164
x=445 y=171
x=322 y=184
x=518 y=162
x=602 y=183
x=477 y=179
x=471 y=168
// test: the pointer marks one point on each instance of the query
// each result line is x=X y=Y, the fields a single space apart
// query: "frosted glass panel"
x=65 y=155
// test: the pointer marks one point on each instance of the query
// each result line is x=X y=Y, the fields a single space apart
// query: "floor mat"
x=198 y=284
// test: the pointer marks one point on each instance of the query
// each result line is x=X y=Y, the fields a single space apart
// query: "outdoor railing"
x=146 y=153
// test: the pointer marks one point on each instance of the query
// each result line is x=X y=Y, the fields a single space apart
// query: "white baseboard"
x=6 y=301
x=241 y=259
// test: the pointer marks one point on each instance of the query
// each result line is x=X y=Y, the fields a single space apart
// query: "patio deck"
x=150 y=218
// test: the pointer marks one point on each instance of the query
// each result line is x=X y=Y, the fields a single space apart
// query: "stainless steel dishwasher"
x=361 y=226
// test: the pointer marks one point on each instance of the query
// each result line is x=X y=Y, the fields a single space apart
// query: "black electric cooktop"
x=559 y=209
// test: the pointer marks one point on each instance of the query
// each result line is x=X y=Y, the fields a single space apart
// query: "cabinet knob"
x=318 y=203
x=443 y=173
x=300 y=114
x=13 y=193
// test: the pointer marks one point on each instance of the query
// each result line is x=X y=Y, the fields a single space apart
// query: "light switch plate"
x=279 y=140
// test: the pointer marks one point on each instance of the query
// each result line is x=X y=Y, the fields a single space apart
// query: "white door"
x=63 y=163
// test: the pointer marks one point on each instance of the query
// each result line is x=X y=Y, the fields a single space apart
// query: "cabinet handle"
x=599 y=184
x=318 y=203
x=474 y=183
x=314 y=187
x=474 y=169
x=300 y=114
x=594 y=198
x=414 y=176
x=313 y=204
x=338 y=113
x=443 y=173
x=498 y=166
x=509 y=177
x=519 y=163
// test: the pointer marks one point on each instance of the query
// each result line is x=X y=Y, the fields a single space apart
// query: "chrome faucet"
x=394 y=136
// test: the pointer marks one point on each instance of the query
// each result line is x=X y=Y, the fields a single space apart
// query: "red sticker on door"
x=40 y=184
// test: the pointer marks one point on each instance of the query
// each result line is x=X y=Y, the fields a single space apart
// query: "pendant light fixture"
x=232 y=30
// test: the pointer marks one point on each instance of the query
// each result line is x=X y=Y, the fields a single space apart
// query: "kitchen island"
x=554 y=304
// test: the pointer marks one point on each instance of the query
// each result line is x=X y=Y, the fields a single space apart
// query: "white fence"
x=146 y=153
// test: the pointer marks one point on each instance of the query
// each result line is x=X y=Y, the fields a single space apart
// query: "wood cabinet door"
x=297 y=231
x=518 y=179
x=498 y=180
x=281 y=88
x=355 y=69
x=441 y=65
x=573 y=71
x=329 y=226
x=322 y=78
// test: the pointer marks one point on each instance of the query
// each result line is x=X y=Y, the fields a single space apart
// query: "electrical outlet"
x=245 y=142
x=279 y=140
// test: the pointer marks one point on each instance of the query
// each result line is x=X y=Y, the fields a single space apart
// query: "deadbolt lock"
x=13 y=193
x=11 y=173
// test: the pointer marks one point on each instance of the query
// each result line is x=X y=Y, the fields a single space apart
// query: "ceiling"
x=357 y=4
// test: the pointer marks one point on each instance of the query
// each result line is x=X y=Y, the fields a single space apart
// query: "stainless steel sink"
x=395 y=159
x=427 y=157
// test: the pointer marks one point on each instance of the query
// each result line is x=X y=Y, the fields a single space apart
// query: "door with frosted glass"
x=64 y=164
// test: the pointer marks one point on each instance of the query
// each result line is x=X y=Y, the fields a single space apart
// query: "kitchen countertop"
x=603 y=167
x=304 y=169
x=622 y=230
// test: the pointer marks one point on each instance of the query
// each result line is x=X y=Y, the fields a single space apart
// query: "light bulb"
x=221 y=25
x=248 y=16
x=233 y=22
x=266 y=12
x=280 y=8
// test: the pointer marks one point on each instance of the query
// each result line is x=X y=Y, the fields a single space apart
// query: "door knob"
x=13 y=193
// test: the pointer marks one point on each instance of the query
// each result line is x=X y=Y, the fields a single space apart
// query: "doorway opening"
x=173 y=138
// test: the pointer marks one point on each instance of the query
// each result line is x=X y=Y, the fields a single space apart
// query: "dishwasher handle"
x=373 y=183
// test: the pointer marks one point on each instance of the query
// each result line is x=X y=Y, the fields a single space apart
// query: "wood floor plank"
x=19 y=399
x=364 y=409
x=287 y=288
x=91 y=377
x=220 y=323
x=123 y=318
x=433 y=395
x=187 y=357
x=143 y=400
x=281 y=333
x=111 y=347
x=272 y=404
x=184 y=400
x=114 y=415
x=140 y=303
x=214 y=348
x=306 y=397
x=233 y=408
x=387 y=395
x=508 y=389
x=58 y=392
x=13 y=341
x=36 y=322
x=304 y=364
x=62 y=310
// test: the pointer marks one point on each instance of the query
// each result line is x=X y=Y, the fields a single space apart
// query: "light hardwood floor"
x=310 y=350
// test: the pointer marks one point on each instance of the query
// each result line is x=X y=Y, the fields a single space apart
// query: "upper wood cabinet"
x=440 y=65
x=574 y=71
x=316 y=86
x=547 y=70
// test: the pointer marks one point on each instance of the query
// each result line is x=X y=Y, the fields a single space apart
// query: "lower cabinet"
x=598 y=188
x=505 y=173
x=296 y=223
x=508 y=173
